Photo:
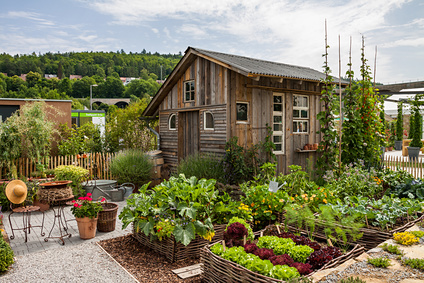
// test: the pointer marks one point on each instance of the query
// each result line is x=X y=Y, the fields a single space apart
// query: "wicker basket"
x=107 y=217
x=216 y=269
x=175 y=251
x=370 y=239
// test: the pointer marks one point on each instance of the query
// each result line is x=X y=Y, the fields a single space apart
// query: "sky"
x=286 y=31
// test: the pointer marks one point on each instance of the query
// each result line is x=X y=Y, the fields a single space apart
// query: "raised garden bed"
x=174 y=251
x=370 y=238
x=218 y=269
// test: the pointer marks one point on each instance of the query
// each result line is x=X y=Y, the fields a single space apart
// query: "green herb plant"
x=393 y=249
x=382 y=262
x=417 y=263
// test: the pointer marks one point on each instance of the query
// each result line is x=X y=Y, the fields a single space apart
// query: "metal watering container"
x=120 y=192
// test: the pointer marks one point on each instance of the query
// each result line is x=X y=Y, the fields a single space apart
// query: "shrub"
x=72 y=173
x=6 y=252
x=205 y=165
x=132 y=166
x=379 y=262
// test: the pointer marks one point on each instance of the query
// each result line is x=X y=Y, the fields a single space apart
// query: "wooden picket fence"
x=25 y=166
x=402 y=163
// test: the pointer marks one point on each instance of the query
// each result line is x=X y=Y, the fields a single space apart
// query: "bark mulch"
x=143 y=263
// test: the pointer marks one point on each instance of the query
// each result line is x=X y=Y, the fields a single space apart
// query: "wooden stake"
x=329 y=242
x=278 y=230
x=340 y=109
x=244 y=240
x=223 y=245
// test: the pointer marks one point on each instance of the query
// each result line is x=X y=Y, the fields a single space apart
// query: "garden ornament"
x=16 y=191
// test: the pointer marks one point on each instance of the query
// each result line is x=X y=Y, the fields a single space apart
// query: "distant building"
x=23 y=77
x=4 y=74
x=50 y=76
x=127 y=80
x=76 y=77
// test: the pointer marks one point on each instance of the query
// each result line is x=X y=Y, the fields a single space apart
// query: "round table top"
x=28 y=208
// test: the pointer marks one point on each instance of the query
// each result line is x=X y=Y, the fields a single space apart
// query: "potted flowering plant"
x=86 y=213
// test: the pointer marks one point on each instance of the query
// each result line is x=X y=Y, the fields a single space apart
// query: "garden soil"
x=144 y=264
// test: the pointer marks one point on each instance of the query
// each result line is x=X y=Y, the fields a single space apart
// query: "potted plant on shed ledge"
x=399 y=127
x=416 y=130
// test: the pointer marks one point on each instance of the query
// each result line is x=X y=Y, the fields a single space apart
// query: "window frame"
x=191 y=92
x=300 y=119
x=247 y=112
x=204 y=121
x=172 y=115
x=283 y=120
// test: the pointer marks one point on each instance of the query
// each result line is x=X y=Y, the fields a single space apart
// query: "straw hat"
x=16 y=191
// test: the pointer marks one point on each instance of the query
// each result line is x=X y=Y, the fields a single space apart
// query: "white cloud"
x=29 y=16
x=193 y=31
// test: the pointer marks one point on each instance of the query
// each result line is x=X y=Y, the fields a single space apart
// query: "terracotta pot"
x=306 y=147
x=44 y=205
x=87 y=227
x=315 y=146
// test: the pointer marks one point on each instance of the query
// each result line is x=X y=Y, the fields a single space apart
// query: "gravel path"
x=80 y=263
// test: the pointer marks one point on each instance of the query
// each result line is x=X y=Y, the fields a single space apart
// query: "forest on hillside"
x=97 y=68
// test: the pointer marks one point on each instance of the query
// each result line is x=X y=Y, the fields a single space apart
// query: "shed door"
x=188 y=133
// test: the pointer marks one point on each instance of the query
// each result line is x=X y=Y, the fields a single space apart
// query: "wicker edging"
x=370 y=238
x=174 y=251
x=216 y=269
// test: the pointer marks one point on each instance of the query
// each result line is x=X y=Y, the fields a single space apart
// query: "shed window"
x=172 y=122
x=300 y=114
x=189 y=91
x=278 y=123
x=242 y=111
x=209 y=121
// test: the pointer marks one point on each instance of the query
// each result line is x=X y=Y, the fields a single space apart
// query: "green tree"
x=125 y=129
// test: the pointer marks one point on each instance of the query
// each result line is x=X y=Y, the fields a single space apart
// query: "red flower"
x=73 y=201
x=89 y=194
x=103 y=199
x=76 y=204
x=81 y=198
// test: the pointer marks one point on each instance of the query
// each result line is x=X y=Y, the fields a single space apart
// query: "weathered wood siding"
x=259 y=95
x=217 y=90
x=210 y=95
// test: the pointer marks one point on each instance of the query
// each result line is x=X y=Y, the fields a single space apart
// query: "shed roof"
x=246 y=66
x=263 y=67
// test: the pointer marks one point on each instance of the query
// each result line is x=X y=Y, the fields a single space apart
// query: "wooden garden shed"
x=210 y=97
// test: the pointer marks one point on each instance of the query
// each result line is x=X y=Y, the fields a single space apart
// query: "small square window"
x=242 y=114
x=300 y=126
x=189 y=91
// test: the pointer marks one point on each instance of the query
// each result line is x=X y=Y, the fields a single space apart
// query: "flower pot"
x=87 y=227
x=413 y=153
x=398 y=145
x=44 y=205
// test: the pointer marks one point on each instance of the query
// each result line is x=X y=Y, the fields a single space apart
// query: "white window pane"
x=277 y=139
x=305 y=101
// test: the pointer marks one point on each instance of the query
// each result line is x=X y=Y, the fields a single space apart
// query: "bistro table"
x=60 y=219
